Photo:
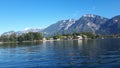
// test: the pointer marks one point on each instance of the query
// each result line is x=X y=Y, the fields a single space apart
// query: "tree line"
x=31 y=36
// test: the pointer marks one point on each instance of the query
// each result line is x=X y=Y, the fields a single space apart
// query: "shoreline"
x=22 y=42
x=47 y=40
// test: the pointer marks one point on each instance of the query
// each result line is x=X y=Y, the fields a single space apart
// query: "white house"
x=79 y=37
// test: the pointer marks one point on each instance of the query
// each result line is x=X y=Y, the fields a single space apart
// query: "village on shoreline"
x=38 y=37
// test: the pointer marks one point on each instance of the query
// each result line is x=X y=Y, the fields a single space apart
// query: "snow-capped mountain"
x=112 y=26
x=23 y=31
x=87 y=23
x=29 y=30
x=60 y=26
x=8 y=33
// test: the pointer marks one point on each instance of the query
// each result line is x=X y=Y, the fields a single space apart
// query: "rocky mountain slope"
x=112 y=26
x=86 y=23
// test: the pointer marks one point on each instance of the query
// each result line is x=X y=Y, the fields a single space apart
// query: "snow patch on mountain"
x=93 y=26
x=26 y=30
x=69 y=24
x=89 y=15
x=116 y=20
x=8 y=33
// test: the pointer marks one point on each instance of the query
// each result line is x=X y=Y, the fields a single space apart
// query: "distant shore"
x=23 y=41
x=47 y=40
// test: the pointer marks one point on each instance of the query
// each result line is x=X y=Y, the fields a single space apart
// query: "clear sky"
x=20 y=14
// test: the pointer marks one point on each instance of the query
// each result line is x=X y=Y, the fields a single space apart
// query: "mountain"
x=112 y=26
x=23 y=31
x=8 y=33
x=59 y=27
x=87 y=23
x=28 y=30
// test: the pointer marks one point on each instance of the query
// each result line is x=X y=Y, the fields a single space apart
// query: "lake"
x=97 y=53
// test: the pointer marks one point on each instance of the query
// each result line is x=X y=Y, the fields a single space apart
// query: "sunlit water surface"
x=98 y=53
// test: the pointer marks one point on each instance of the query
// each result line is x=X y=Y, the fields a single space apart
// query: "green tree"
x=37 y=36
x=13 y=37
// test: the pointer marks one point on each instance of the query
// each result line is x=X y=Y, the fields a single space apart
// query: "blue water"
x=98 y=53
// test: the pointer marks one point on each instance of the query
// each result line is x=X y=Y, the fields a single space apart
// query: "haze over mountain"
x=87 y=23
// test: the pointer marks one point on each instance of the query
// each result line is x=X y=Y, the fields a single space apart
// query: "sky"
x=18 y=15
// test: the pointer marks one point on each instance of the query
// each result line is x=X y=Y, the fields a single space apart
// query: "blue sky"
x=20 y=14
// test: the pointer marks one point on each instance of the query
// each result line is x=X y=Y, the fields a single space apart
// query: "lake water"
x=99 y=53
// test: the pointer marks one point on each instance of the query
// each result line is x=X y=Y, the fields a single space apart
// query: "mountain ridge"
x=86 y=23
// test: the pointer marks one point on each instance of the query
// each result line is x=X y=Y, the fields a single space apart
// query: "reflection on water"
x=73 y=53
x=14 y=45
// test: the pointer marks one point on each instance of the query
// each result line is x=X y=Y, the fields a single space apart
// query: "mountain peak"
x=8 y=33
x=87 y=23
x=89 y=15
x=71 y=20
x=68 y=20
x=116 y=16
